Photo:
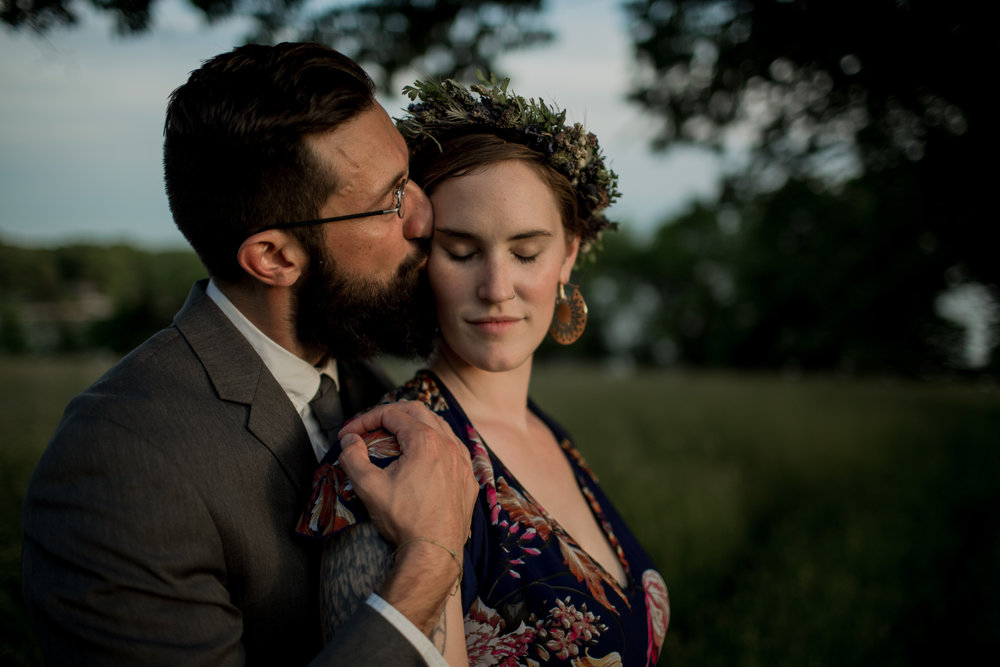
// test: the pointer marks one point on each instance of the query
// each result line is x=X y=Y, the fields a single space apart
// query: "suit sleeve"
x=368 y=639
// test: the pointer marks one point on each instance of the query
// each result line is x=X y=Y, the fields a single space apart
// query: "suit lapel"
x=240 y=376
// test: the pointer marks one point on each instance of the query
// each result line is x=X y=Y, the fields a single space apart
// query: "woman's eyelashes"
x=465 y=256
x=458 y=253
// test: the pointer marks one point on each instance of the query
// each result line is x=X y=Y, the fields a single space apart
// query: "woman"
x=550 y=572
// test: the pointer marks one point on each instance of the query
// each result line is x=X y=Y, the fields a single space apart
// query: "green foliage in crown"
x=447 y=108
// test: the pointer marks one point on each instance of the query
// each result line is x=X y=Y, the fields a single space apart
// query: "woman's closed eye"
x=528 y=251
x=461 y=254
x=465 y=256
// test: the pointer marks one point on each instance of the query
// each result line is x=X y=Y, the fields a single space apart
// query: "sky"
x=81 y=120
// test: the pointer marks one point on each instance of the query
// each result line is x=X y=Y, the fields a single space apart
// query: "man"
x=159 y=522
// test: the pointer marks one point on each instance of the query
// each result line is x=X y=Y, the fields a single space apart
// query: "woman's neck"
x=485 y=395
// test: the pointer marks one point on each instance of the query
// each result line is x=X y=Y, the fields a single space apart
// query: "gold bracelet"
x=451 y=552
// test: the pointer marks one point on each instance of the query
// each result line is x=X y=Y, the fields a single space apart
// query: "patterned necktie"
x=326 y=407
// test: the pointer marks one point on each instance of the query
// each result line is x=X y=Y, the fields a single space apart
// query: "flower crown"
x=447 y=108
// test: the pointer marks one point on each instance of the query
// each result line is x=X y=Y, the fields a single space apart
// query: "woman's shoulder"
x=425 y=387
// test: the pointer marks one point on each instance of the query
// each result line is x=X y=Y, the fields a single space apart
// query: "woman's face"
x=498 y=255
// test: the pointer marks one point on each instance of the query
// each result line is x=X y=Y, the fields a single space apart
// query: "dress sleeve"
x=333 y=504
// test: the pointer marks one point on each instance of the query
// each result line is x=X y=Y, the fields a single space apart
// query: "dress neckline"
x=573 y=457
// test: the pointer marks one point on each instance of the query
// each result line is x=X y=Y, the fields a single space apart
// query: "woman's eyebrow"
x=530 y=235
x=520 y=236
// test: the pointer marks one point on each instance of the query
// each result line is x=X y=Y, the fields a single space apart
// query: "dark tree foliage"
x=449 y=38
x=819 y=281
x=879 y=105
x=885 y=80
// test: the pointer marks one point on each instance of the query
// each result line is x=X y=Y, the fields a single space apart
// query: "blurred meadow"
x=803 y=521
x=797 y=520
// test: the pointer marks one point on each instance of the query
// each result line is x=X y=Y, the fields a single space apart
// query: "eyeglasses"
x=399 y=195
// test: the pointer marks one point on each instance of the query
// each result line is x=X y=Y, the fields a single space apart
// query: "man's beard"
x=358 y=319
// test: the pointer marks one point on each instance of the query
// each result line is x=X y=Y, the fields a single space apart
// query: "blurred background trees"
x=863 y=204
x=85 y=297
x=853 y=230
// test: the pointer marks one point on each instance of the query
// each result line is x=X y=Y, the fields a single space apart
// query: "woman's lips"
x=494 y=325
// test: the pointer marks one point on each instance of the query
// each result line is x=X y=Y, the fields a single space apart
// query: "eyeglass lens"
x=401 y=198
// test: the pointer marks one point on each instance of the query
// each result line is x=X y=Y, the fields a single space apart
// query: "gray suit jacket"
x=158 y=524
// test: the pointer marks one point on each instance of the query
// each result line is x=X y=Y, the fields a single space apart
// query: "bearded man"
x=158 y=525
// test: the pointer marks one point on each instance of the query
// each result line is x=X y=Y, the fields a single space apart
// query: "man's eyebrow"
x=391 y=185
x=394 y=183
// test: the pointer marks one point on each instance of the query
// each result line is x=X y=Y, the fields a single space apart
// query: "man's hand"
x=429 y=492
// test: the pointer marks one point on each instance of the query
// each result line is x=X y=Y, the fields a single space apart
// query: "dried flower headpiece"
x=447 y=108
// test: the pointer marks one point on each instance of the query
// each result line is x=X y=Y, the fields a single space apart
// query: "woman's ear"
x=273 y=257
x=572 y=248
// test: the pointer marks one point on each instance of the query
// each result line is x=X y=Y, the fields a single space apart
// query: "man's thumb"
x=354 y=456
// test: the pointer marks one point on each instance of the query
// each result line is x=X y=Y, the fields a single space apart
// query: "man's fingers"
x=394 y=417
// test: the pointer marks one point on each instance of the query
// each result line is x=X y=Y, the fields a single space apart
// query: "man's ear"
x=273 y=257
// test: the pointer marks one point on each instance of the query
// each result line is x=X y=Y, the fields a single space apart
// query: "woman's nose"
x=496 y=284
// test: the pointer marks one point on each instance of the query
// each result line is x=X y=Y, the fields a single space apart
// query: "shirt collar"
x=297 y=377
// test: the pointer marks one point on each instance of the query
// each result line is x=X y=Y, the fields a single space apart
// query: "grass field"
x=811 y=521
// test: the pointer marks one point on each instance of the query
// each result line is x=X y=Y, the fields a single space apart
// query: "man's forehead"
x=367 y=152
x=373 y=128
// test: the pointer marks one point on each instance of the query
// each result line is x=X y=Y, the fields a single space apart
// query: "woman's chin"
x=498 y=363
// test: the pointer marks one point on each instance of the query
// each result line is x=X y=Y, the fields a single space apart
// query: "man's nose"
x=418 y=218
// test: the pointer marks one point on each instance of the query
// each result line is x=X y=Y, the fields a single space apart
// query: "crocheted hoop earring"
x=570 y=316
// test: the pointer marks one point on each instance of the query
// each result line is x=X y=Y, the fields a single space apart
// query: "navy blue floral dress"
x=530 y=594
